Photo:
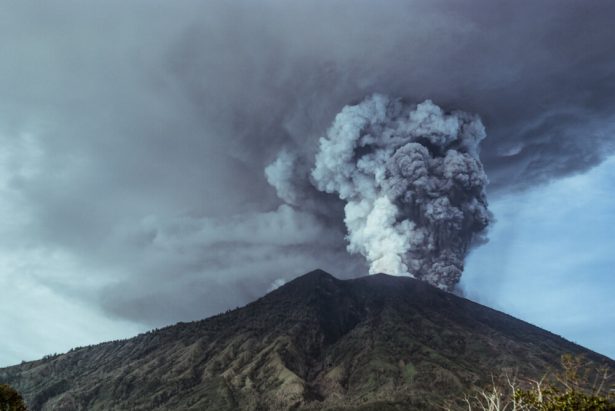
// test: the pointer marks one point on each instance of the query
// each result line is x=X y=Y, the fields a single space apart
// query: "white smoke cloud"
x=280 y=175
x=276 y=284
x=412 y=181
x=374 y=232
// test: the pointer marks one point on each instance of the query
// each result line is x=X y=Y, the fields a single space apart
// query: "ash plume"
x=412 y=183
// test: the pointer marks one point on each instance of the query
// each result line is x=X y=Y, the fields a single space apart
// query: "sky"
x=134 y=139
x=550 y=258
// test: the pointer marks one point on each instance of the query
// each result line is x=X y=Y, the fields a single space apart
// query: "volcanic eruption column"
x=413 y=185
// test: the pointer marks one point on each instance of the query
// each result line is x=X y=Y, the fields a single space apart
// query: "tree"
x=10 y=399
x=579 y=386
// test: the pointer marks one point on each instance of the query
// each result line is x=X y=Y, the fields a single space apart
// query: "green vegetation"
x=579 y=386
x=10 y=399
x=409 y=372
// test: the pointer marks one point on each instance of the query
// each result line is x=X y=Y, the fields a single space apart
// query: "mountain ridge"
x=317 y=342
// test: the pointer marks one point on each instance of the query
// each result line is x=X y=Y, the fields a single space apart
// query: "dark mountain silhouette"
x=372 y=343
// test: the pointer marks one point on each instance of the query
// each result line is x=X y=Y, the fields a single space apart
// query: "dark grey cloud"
x=135 y=135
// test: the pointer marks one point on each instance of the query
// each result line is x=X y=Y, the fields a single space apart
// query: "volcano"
x=371 y=343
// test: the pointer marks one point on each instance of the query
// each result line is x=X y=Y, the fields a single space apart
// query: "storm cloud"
x=135 y=136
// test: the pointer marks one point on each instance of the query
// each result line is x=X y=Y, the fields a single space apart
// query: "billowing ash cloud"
x=134 y=156
x=412 y=182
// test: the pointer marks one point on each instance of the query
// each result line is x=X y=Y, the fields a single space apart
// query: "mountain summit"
x=372 y=343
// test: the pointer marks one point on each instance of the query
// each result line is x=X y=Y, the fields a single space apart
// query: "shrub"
x=10 y=399
x=579 y=386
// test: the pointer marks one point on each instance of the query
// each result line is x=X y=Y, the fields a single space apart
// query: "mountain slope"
x=376 y=342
